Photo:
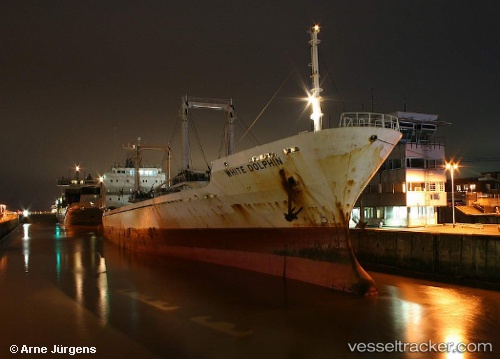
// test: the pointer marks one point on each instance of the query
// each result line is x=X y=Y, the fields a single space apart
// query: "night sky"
x=78 y=79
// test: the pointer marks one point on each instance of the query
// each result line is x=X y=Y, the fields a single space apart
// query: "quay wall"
x=42 y=217
x=465 y=256
x=8 y=224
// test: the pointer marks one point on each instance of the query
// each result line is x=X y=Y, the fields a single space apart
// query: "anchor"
x=292 y=214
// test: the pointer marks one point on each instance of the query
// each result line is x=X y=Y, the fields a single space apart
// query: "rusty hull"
x=268 y=210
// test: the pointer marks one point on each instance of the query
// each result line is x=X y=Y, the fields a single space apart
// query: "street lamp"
x=452 y=166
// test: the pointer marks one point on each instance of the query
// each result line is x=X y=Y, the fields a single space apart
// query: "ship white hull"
x=273 y=214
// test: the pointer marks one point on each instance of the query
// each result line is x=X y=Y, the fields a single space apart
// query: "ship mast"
x=314 y=97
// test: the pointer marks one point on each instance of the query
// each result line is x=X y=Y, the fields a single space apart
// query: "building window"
x=416 y=186
x=399 y=187
x=395 y=163
x=415 y=163
x=369 y=212
x=424 y=163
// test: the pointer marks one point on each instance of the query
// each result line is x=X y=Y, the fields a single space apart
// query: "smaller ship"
x=119 y=184
x=134 y=182
x=80 y=202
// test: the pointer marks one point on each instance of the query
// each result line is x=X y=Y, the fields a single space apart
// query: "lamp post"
x=77 y=171
x=452 y=166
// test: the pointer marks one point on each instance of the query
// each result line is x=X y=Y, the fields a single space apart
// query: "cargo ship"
x=281 y=208
x=80 y=201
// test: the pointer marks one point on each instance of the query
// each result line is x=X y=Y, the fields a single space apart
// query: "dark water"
x=70 y=288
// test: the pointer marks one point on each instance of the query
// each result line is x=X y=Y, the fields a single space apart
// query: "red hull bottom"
x=320 y=256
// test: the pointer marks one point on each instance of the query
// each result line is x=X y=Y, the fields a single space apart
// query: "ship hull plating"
x=81 y=215
x=281 y=208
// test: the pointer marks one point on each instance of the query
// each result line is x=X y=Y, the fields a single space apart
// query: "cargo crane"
x=225 y=105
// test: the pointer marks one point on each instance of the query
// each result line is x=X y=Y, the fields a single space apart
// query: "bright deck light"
x=452 y=166
x=316 y=108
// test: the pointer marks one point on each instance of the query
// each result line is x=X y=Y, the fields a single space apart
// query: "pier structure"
x=466 y=253
x=8 y=221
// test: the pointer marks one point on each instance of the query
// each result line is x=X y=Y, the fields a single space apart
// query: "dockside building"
x=410 y=185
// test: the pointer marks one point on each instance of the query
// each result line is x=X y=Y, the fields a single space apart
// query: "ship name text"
x=254 y=166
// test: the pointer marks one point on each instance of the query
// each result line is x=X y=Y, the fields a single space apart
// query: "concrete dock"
x=8 y=222
x=464 y=252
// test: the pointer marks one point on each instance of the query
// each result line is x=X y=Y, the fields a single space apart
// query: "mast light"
x=314 y=97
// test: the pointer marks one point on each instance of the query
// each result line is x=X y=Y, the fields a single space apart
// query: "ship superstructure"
x=120 y=183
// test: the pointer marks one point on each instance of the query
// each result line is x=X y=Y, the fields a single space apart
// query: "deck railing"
x=368 y=119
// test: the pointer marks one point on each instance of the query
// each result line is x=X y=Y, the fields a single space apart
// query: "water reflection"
x=456 y=316
x=102 y=285
x=3 y=266
x=445 y=315
x=81 y=269
x=408 y=316
x=213 y=305
x=26 y=246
